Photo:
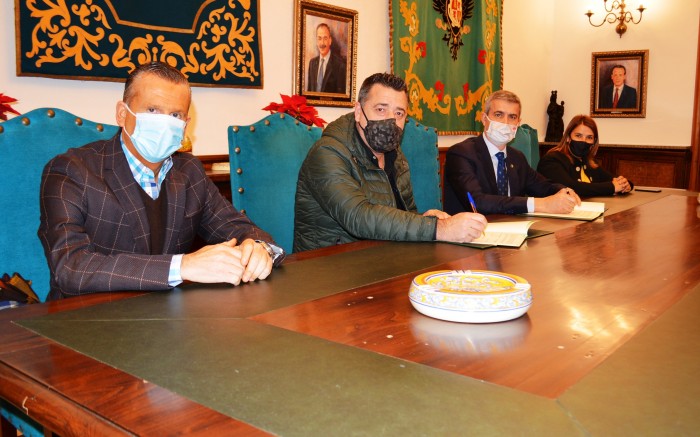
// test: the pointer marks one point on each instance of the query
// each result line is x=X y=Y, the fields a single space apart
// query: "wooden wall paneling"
x=694 y=183
x=656 y=166
x=667 y=167
x=222 y=179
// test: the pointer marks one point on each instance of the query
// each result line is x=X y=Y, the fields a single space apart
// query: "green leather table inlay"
x=266 y=353
x=291 y=284
x=655 y=380
x=292 y=384
x=195 y=342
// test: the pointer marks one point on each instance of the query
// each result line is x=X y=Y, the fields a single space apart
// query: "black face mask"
x=382 y=135
x=579 y=149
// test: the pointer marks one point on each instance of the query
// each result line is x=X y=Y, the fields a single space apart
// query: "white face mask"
x=500 y=133
x=156 y=136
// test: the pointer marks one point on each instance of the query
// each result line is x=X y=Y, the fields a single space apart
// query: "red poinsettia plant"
x=5 y=102
x=296 y=107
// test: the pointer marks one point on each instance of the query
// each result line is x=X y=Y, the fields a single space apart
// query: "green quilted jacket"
x=342 y=196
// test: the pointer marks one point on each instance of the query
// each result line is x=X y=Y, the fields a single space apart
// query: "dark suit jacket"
x=627 y=98
x=468 y=168
x=95 y=230
x=334 y=76
x=557 y=167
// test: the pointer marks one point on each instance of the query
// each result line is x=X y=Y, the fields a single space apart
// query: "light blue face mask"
x=156 y=136
x=500 y=133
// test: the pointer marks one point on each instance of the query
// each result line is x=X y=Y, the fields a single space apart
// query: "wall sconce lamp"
x=613 y=16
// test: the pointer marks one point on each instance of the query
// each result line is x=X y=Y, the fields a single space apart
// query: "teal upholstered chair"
x=420 y=146
x=265 y=161
x=27 y=143
x=18 y=420
x=527 y=142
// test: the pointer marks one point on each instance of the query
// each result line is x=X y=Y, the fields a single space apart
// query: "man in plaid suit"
x=122 y=214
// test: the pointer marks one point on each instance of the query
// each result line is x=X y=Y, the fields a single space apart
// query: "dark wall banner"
x=449 y=52
x=213 y=42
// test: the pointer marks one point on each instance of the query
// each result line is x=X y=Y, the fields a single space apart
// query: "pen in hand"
x=471 y=202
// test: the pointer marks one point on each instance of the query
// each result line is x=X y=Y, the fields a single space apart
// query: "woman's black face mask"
x=579 y=149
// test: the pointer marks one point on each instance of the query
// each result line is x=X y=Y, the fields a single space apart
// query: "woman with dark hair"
x=572 y=162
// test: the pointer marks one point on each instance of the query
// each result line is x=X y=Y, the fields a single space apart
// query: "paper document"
x=586 y=211
x=511 y=234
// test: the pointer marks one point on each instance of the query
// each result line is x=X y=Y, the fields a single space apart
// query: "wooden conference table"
x=330 y=345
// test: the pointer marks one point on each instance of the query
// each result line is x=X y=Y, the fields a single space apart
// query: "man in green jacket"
x=355 y=183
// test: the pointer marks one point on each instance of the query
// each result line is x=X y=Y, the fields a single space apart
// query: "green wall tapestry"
x=449 y=52
x=213 y=42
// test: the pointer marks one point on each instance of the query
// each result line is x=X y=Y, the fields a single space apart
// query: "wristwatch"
x=274 y=254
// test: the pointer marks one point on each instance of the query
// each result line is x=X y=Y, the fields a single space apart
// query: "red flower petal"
x=5 y=102
x=296 y=106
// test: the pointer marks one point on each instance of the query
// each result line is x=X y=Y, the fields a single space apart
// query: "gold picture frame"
x=628 y=67
x=320 y=27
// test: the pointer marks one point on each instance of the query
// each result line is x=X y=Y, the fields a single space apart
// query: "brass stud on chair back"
x=30 y=141
x=267 y=156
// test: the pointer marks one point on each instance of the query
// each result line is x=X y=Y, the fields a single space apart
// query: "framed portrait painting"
x=325 y=53
x=619 y=84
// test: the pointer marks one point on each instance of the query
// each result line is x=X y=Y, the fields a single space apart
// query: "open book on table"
x=509 y=234
x=586 y=211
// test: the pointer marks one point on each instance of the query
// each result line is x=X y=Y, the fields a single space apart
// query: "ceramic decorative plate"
x=472 y=296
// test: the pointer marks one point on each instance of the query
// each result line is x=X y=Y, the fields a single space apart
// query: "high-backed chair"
x=265 y=160
x=420 y=146
x=19 y=421
x=27 y=143
x=527 y=142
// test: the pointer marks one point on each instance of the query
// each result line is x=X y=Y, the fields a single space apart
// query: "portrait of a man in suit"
x=618 y=95
x=327 y=70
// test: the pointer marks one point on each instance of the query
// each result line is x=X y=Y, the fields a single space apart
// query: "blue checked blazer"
x=95 y=231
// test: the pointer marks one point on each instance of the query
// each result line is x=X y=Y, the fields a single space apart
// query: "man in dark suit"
x=618 y=95
x=121 y=214
x=331 y=78
x=473 y=166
